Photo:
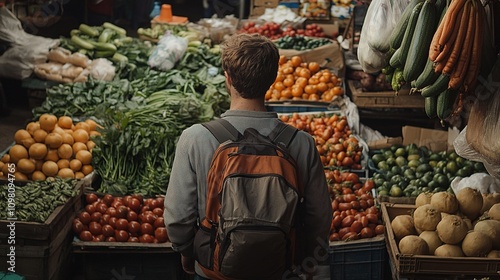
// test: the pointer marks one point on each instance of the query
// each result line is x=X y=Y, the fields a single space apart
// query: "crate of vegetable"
x=36 y=226
x=383 y=99
x=435 y=239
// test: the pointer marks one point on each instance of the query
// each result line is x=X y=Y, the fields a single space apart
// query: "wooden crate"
x=383 y=99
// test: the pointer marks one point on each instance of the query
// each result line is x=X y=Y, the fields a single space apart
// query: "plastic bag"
x=102 y=69
x=482 y=182
x=169 y=50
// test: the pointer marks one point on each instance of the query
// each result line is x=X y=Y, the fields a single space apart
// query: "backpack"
x=253 y=198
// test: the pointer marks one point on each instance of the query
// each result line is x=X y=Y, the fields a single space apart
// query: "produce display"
x=274 y=30
x=300 y=80
x=155 y=32
x=301 y=43
x=129 y=218
x=448 y=225
x=36 y=200
x=336 y=145
x=64 y=67
x=440 y=48
x=51 y=147
x=410 y=170
x=355 y=215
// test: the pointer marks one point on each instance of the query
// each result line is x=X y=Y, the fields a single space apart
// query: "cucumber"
x=430 y=106
x=88 y=30
x=81 y=43
x=420 y=42
x=104 y=53
x=103 y=46
x=427 y=77
x=395 y=60
x=399 y=30
x=118 y=57
x=106 y=35
x=117 y=29
x=410 y=29
x=440 y=85
x=445 y=102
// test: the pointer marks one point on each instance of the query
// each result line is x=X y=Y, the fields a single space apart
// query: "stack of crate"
x=258 y=7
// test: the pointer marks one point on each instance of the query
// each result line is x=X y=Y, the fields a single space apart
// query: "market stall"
x=388 y=111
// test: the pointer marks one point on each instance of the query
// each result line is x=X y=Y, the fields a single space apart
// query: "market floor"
x=17 y=119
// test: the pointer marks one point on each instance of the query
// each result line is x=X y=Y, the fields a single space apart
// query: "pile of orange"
x=299 y=80
x=51 y=147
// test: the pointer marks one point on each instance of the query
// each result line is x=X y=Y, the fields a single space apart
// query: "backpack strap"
x=283 y=135
x=222 y=130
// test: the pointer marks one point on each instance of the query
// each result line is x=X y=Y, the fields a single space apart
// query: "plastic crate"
x=358 y=260
x=432 y=267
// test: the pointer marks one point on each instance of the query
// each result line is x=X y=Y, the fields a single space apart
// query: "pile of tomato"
x=334 y=141
x=299 y=80
x=274 y=30
x=130 y=218
x=355 y=214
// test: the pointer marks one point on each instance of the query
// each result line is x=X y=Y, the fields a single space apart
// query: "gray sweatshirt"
x=186 y=192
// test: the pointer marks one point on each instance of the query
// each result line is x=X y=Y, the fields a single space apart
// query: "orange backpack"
x=253 y=198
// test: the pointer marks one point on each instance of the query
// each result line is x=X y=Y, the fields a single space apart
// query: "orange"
x=78 y=146
x=65 y=151
x=53 y=140
x=47 y=122
x=75 y=165
x=65 y=122
x=84 y=156
x=296 y=60
x=82 y=125
x=39 y=135
x=50 y=168
x=80 y=135
x=38 y=176
x=38 y=151
x=32 y=126
x=52 y=156
x=87 y=169
x=18 y=152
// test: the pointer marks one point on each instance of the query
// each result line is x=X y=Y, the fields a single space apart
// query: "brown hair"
x=251 y=62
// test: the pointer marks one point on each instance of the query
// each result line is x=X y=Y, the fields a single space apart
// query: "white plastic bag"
x=169 y=50
x=482 y=182
x=102 y=69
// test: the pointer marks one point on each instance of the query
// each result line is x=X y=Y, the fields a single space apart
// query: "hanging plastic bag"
x=169 y=50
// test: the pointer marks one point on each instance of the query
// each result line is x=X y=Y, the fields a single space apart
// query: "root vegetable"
x=476 y=244
x=494 y=254
x=448 y=250
x=470 y=202
x=494 y=212
x=423 y=198
x=452 y=229
x=402 y=226
x=445 y=202
x=426 y=217
x=432 y=240
x=413 y=245
x=490 y=228
x=489 y=200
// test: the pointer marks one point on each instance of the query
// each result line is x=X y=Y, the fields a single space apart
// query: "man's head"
x=251 y=63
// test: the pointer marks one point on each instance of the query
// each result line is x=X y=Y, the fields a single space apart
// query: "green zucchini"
x=117 y=29
x=399 y=30
x=410 y=29
x=445 y=102
x=74 y=32
x=118 y=57
x=82 y=43
x=103 y=46
x=100 y=53
x=106 y=35
x=430 y=106
x=88 y=30
x=427 y=77
x=440 y=85
x=395 y=60
x=420 y=42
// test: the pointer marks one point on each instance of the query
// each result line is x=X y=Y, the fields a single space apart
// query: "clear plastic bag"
x=169 y=50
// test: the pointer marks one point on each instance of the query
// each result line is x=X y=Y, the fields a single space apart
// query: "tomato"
x=121 y=211
x=334 y=237
x=96 y=216
x=108 y=230
x=95 y=228
x=138 y=197
x=134 y=227
x=364 y=221
x=85 y=217
x=161 y=234
x=371 y=202
x=121 y=235
x=147 y=228
x=355 y=204
x=349 y=197
x=112 y=221
x=99 y=238
x=344 y=206
x=91 y=198
x=134 y=204
x=148 y=217
x=110 y=239
x=161 y=201
x=126 y=200
x=372 y=218
x=350 y=236
x=158 y=211
x=366 y=232
x=147 y=202
x=352 y=177
x=132 y=216
x=146 y=238
x=85 y=235
x=159 y=222
x=363 y=204
x=356 y=226
x=90 y=208
x=337 y=220
x=347 y=221
x=105 y=219
x=379 y=229
x=116 y=202
x=371 y=210
x=134 y=239
x=335 y=204
x=77 y=226
x=111 y=211
x=101 y=208
x=145 y=208
x=108 y=199
x=368 y=185
x=122 y=224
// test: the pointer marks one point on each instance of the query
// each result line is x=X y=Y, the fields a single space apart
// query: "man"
x=250 y=64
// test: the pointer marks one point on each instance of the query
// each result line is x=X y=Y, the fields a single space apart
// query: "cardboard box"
x=266 y=3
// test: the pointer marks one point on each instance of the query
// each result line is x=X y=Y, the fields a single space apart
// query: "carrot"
x=461 y=37
x=476 y=52
x=435 y=49
x=438 y=66
x=450 y=19
x=446 y=49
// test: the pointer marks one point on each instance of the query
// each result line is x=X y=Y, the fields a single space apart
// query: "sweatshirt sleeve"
x=181 y=199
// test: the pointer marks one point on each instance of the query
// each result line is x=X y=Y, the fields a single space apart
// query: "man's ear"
x=228 y=79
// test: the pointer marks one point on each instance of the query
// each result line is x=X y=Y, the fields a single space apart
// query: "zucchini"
x=430 y=106
x=440 y=85
x=74 y=32
x=395 y=60
x=410 y=29
x=118 y=57
x=82 y=43
x=106 y=35
x=88 y=30
x=103 y=53
x=399 y=30
x=103 y=46
x=420 y=42
x=428 y=75
x=445 y=102
x=117 y=29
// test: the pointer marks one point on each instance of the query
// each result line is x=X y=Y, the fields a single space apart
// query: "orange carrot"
x=450 y=20
x=464 y=27
x=476 y=52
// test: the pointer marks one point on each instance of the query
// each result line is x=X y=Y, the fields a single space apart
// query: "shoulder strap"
x=283 y=134
x=222 y=130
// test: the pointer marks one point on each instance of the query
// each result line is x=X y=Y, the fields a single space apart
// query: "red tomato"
x=379 y=229
x=145 y=208
x=347 y=221
x=134 y=227
x=155 y=203
x=350 y=236
x=110 y=239
x=161 y=201
x=90 y=208
x=134 y=204
x=95 y=228
x=366 y=232
x=77 y=226
x=99 y=238
x=146 y=238
x=112 y=221
x=132 y=216
x=335 y=204
x=334 y=237
x=121 y=224
x=101 y=208
x=108 y=230
x=364 y=221
x=159 y=222
x=85 y=217
x=363 y=204
x=108 y=199
x=149 y=218
x=121 y=235
x=134 y=239
x=126 y=200
x=85 y=235
x=139 y=197
x=344 y=206
x=161 y=234
x=158 y=211
x=117 y=202
x=96 y=216
x=147 y=228
x=372 y=218
x=355 y=204
x=105 y=219
x=349 y=197
x=91 y=198
x=111 y=211
x=337 y=220
x=356 y=226
x=121 y=211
